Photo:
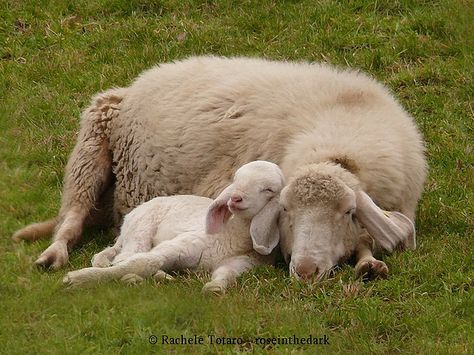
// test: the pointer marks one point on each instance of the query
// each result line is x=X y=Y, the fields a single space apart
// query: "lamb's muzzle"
x=228 y=248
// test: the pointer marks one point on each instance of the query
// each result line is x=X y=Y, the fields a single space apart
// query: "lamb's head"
x=323 y=211
x=253 y=196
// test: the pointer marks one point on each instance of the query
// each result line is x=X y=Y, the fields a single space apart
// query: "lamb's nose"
x=236 y=198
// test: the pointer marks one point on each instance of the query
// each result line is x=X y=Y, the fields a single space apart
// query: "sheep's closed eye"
x=268 y=189
x=350 y=212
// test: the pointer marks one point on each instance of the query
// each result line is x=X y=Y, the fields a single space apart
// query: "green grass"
x=56 y=54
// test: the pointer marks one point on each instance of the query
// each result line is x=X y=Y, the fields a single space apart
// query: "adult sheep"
x=185 y=127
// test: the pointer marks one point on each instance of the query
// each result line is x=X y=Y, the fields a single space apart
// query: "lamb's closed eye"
x=213 y=245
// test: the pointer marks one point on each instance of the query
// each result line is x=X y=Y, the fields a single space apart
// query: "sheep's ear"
x=218 y=213
x=264 y=228
x=388 y=228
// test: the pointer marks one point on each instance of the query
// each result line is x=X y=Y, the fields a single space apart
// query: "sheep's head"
x=253 y=195
x=323 y=210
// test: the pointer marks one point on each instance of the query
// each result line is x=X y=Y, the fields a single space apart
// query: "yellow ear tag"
x=387 y=213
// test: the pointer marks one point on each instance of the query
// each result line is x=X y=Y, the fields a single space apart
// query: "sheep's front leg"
x=227 y=272
x=367 y=266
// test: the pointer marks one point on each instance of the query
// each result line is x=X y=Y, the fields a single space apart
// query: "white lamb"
x=191 y=232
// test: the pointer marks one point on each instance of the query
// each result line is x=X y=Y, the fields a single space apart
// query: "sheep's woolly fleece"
x=321 y=183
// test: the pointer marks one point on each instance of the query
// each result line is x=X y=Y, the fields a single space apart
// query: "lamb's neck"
x=236 y=235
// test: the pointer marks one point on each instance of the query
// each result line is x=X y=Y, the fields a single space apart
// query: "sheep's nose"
x=236 y=198
x=306 y=270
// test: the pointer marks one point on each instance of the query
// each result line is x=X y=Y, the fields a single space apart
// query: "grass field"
x=55 y=55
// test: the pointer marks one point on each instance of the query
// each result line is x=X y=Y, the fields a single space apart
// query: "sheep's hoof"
x=54 y=257
x=214 y=287
x=371 y=269
x=20 y=235
x=100 y=261
x=132 y=279
x=160 y=275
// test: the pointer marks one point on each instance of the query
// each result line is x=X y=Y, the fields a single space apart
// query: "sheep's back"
x=185 y=127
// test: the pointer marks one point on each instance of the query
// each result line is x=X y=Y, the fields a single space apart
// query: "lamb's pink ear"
x=264 y=228
x=388 y=228
x=218 y=213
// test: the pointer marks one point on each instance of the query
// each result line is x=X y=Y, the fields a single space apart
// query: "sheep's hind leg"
x=367 y=266
x=227 y=272
x=87 y=176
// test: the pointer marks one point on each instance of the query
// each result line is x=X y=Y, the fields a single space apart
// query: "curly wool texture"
x=317 y=188
x=321 y=183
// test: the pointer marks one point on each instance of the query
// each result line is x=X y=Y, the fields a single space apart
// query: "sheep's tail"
x=36 y=231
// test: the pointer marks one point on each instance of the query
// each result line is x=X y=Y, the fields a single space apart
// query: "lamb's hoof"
x=132 y=279
x=100 y=261
x=214 y=287
x=370 y=270
x=55 y=257
x=160 y=275
x=67 y=280
x=71 y=279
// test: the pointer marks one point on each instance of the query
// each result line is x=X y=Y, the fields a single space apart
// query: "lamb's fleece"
x=184 y=128
x=233 y=233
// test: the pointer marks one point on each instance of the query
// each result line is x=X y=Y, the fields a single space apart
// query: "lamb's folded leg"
x=367 y=266
x=143 y=264
x=228 y=271
x=131 y=243
x=105 y=257
x=176 y=254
